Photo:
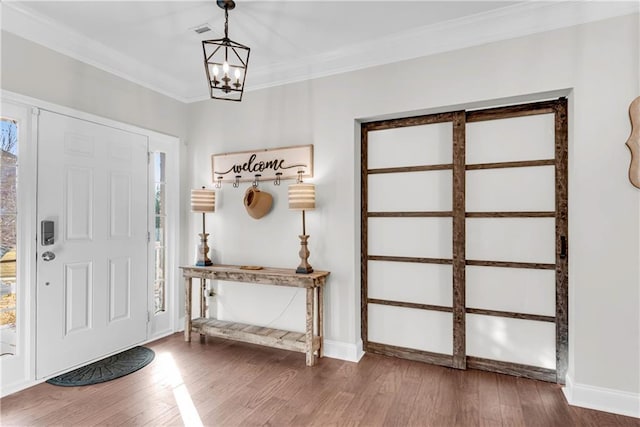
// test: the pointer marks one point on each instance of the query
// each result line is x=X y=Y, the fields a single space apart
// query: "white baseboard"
x=343 y=351
x=602 y=399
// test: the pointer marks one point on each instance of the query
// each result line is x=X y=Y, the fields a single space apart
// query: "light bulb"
x=238 y=73
x=225 y=67
x=215 y=70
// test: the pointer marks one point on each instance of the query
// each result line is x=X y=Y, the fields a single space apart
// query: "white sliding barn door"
x=92 y=297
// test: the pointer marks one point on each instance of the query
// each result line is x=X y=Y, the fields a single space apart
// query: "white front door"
x=92 y=297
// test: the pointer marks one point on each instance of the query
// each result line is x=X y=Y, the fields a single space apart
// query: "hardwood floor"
x=225 y=383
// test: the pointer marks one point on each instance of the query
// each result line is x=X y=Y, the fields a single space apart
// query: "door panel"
x=411 y=328
x=78 y=214
x=511 y=239
x=92 y=297
x=78 y=290
x=511 y=189
x=511 y=139
x=413 y=237
x=516 y=290
x=525 y=342
x=120 y=205
x=428 y=144
x=119 y=288
x=385 y=197
x=410 y=282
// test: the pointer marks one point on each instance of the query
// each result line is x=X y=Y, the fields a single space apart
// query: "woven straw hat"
x=257 y=203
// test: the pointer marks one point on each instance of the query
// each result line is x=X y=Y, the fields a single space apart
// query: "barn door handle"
x=563 y=247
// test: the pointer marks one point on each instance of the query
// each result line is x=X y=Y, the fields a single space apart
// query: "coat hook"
x=236 y=183
x=277 y=180
x=255 y=181
x=218 y=183
x=299 y=179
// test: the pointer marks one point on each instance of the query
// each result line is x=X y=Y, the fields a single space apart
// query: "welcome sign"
x=269 y=164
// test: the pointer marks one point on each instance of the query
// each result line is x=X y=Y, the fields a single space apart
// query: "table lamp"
x=203 y=201
x=302 y=197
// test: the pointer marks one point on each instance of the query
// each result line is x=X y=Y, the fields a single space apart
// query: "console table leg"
x=320 y=321
x=203 y=303
x=187 y=309
x=309 y=331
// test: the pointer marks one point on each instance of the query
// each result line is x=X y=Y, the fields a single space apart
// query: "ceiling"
x=154 y=43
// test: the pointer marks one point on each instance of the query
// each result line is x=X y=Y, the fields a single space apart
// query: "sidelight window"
x=8 y=235
x=160 y=229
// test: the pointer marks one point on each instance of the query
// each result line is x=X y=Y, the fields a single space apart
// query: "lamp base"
x=304 y=267
x=301 y=270
x=203 y=251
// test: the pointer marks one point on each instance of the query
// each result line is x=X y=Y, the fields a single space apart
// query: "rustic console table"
x=309 y=342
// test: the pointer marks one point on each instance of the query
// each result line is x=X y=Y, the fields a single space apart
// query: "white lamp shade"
x=302 y=196
x=203 y=200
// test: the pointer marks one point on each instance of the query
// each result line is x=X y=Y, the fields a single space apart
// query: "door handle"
x=563 y=247
x=48 y=256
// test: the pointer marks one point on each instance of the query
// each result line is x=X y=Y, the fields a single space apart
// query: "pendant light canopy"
x=225 y=62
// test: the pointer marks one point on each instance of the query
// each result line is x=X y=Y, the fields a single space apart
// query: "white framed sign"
x=262 y=165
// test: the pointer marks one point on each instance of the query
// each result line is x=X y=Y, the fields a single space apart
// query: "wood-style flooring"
x=224 y=383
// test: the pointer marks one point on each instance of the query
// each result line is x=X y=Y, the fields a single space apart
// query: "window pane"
x=160 y=227
x=159 y=199
x=158 y=298
x=158 y=163
x=160 y=252
x=8 y=235
x=159 y=262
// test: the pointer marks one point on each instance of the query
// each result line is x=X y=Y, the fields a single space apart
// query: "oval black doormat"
x=107 y=369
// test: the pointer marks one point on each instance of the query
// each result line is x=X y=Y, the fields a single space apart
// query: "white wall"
x=596 y=64
x=33 y=70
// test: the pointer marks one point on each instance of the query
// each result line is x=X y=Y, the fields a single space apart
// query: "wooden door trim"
x=459 y=241
x=511 y=264
x=418 y=306
x=364 y=241
x=540 y=214
x=562 y=239
x=411 y=354
x=409 y=259
x=511 y=315
x=424 y=214
x=428 y=119
x=512 y=111
x=405 y=169
x=518 y=164
x=513 y=369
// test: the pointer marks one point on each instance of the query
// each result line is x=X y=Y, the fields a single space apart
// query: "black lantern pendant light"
x=225 y=62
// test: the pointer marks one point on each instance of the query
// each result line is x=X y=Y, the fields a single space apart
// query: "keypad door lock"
x=47 y=233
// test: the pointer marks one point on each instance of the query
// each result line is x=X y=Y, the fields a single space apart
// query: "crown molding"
x=23 y=22
x=499 y=24
x=509 y=22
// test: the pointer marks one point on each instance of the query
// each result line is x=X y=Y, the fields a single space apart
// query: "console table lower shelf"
x=308 y=342
x=278 y=338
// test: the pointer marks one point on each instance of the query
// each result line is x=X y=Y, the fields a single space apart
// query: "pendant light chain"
x=226 y=23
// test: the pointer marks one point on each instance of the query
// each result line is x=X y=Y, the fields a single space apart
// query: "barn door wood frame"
x=459 y=358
